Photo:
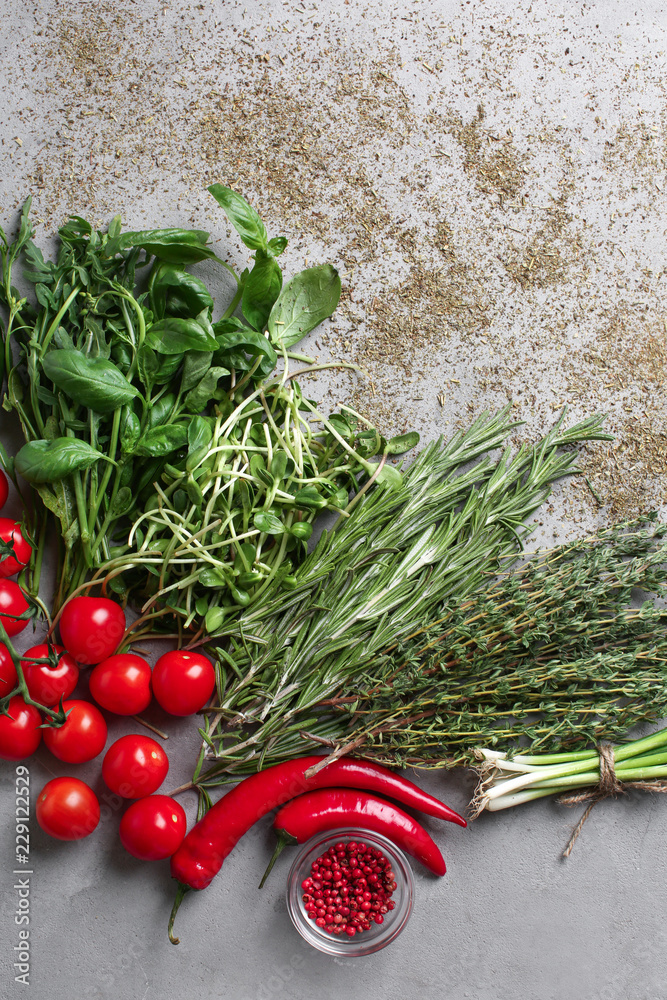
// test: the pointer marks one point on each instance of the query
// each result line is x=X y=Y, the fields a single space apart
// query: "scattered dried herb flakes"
x=488 y=210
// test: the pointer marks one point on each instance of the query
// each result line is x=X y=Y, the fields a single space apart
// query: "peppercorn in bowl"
x=350 y=892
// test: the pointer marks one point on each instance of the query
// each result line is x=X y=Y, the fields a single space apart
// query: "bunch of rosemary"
x=380 y=574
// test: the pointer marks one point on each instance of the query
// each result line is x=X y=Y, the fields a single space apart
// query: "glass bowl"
x=365 y=942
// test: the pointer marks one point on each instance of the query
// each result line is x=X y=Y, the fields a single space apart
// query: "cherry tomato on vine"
x=81 y=737
x=67 y=809
x=8 y=677
x=4 y=489
x=47 y=684
x=183 y=682
x=91 y=628
x=20 y=734
x=153 y=828
x=122 y=684
x=134 y=766
x=12 y=604
x=10 y=531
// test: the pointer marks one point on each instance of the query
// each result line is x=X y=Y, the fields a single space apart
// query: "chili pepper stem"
x=285 y=839
x=180 y=893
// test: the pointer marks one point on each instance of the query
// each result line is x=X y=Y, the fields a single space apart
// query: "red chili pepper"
x=200 y=856
x=338 y=808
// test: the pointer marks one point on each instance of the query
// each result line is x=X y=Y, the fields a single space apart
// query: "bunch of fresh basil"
x=156 y=434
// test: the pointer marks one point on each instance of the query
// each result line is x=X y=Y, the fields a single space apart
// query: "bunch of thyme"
x=551 y=656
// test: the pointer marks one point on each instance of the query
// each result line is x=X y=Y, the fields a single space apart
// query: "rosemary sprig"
x=378 y=576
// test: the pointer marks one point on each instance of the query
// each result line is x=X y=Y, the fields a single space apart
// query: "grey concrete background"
x=490 y=180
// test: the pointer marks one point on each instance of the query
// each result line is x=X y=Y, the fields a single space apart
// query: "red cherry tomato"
x=122 y=684
x=8 y=677
x=10 y=531
x=67 y=809
x=134 y=766
x=20 y=734
x=91 y=628
x=48 y=684
x=153 y=828
x=12 y=604
x=81 y=737
x=4 y=489
x=183 y=682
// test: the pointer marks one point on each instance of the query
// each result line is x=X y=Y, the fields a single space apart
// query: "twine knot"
x=607 y=786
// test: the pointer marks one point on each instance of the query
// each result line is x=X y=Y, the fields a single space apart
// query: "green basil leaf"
x=160 y=410
x=176 y=336
x=402 y=443
x=177 y=246
x=180 y=293
x=204 y=391
x=48 y=461
x=307 y=299
x=242 y=216
x=269 y=523
x=46 y=396
x=121 y=355
x=277 y=245
x=168 y=364
x=195 y=366
x=261 y=290
x=91 y=382
x=148 y=364
x=130 y=430
x=122 y=502
x=233 y=343
x=159 y=441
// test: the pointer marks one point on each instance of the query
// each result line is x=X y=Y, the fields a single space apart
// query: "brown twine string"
x=608 y=785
